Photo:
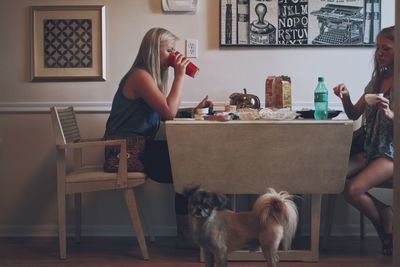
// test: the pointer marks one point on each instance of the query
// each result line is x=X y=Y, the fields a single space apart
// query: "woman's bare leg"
x=356 y=191
x=357 y=162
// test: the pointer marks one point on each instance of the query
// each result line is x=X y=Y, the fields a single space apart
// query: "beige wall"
x=27 y=158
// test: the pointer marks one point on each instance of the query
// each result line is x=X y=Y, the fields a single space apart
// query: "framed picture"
x=299 y=22
x=68 y=43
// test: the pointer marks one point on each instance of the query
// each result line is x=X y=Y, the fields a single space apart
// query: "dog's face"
x=201 y=203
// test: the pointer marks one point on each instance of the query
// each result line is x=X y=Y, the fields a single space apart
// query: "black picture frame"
x=270 y=23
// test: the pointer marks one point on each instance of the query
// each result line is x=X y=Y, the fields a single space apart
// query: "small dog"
x=220 y=231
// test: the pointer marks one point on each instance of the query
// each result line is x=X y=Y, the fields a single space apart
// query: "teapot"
x=244 y=100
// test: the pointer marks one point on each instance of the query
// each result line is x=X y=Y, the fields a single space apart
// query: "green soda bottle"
x=321 y=100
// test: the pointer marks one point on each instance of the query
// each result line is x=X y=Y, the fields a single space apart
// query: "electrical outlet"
x=191 y=48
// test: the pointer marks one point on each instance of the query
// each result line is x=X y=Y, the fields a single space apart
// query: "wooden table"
x=246 y=157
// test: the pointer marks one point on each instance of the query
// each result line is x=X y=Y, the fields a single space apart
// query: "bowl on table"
x=309 y=114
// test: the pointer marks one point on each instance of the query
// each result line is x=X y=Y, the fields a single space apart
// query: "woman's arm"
x=141 y=84
x=353 y=112
x=174 y=96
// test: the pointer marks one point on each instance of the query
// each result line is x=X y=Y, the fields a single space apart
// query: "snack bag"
x=278 y=92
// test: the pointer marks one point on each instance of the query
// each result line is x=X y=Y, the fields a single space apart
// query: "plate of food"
x=309 y=113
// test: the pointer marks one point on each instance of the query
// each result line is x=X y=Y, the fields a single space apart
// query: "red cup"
x=191 y=69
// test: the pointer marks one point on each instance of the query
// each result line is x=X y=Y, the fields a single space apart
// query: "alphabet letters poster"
x=299 y=22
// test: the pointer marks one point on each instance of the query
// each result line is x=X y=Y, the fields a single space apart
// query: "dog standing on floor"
x=220 y=231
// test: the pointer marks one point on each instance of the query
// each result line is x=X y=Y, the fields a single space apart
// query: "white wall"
x=223 y=71
x=26 y=152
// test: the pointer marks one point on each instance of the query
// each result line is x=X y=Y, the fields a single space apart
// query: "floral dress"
x=378 y=129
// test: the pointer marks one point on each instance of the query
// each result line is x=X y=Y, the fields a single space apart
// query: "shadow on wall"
x=155 y=7
x=212 y=21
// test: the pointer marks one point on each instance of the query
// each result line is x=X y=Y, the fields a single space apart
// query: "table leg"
x=315 y=225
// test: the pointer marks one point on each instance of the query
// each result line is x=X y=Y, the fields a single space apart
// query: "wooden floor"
x=123 y=251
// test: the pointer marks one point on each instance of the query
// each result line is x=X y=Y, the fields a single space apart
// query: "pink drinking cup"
x=191 y=69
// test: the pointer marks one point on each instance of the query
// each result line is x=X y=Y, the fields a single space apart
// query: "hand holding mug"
x=384 y=105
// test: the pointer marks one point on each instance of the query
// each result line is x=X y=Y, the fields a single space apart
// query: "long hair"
x=148 y=57
x=379 y=73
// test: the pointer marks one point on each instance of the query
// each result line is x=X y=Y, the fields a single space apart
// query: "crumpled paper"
x=278 y=114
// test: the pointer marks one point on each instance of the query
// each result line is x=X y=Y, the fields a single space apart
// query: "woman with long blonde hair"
x=141 y=101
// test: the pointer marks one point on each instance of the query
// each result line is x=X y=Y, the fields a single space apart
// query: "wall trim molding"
x=44 y=107
x=105 y=106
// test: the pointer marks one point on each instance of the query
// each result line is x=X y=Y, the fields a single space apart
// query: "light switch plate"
x=192 y=47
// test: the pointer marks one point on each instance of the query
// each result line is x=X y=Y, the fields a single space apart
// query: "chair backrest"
x=64 y=125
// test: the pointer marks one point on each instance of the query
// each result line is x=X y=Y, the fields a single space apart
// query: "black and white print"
x=299 y=22
x=228 y=22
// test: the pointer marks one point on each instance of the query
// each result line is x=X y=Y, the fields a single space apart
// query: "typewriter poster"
x=299 y=22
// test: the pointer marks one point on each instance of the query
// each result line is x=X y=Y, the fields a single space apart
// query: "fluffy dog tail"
x=280 y=208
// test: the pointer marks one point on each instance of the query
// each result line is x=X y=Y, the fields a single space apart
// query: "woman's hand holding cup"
x=177 y=60
x=384 y=105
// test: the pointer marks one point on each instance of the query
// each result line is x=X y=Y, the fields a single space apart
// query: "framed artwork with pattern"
x=68 y=43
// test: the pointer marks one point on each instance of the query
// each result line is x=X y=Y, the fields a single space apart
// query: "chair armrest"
x=122 y=174
x=91 y=139
x=86 y=144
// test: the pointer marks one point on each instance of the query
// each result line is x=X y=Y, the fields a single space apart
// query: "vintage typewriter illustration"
x=339 y=24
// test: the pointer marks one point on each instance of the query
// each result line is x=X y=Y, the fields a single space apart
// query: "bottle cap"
x=321 y=79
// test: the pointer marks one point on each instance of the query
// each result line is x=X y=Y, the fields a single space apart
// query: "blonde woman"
x=142 y=100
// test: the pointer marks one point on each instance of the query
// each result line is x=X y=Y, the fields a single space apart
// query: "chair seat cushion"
x=96 y=173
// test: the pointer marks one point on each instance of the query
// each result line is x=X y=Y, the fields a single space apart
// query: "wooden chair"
x=84 y=179
x=330 y=209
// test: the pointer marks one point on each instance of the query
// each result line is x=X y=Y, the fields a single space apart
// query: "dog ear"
x=188 y=191
x=220 y=201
